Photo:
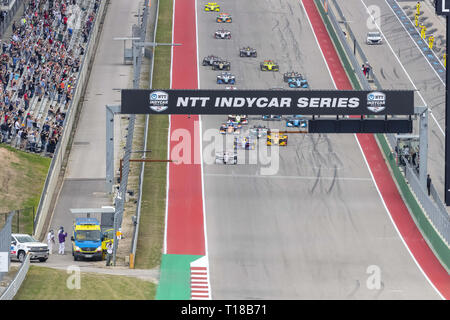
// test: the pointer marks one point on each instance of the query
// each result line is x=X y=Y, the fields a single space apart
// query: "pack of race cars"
x=293 y=79
x=245 y=137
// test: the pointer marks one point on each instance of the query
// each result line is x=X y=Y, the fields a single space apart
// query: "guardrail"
x=14 y=286
x=51 y=182
x=141 y=174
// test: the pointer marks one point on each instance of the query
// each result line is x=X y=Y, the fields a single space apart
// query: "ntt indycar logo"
x=159 y=101
x=376 y=101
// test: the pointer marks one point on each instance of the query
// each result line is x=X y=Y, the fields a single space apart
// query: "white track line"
x=205 y=234
x=168 y=136
x=375 y=183
x=403 y=67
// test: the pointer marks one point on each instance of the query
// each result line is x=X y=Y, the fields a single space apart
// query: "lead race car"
x=212 y=6
x=222 y=34
x=221 y=65
x=224 y=18
x=247 y=52
x=226 y=78
x=226 y=157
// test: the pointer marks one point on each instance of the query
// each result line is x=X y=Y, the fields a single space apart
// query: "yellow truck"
x=88 y=240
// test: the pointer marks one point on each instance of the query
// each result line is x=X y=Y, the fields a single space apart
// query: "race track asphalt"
x=315 y=228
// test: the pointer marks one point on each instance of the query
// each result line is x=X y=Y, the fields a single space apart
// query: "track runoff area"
x=202 y=186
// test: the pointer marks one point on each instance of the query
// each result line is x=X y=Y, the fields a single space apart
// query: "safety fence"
x=23 y=221
x=429 y=213
x=16 y=283
x=5 y=237
x=440 y=219
x=51 y=183
x=154 y=16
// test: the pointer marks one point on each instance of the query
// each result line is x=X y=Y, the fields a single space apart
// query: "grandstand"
x=39 y=67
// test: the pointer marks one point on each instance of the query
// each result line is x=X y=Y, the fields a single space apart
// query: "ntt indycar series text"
x=254 y=102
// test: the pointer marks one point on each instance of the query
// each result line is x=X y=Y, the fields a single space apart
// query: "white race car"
x=226 y=157
x=222 y=34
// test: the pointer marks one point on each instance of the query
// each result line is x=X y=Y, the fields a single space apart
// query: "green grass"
x=44 y=283
x=21 y=183
x=151 y=229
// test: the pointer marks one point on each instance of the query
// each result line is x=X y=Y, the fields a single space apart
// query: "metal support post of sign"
x=442 y=9
x=447 y=123
x=110 y=112
x=423 y=145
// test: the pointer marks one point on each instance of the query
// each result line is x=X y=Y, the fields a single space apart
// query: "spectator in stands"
x=39 y=61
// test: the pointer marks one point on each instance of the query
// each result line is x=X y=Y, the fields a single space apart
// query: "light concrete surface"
x=84 y=181
x=312 y=230
x=398 y=62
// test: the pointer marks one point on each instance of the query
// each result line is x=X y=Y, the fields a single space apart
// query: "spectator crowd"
x=39 y=65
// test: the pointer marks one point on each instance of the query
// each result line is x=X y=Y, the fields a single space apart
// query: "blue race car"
x=297 y=83
x=295 y=80
x=297 y=122
x=275 y=117
x=226 y=78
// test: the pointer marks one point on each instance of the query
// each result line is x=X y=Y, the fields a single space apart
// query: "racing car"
x=297 y=122
x=258 y=131
x=268 y=65
x=298 y=82
x=239 y=119
x=222 y=34
x=221 y=65
x=246 y=143
x=247 y=52
x=212 y=6
x=226 y=78
x=210 y=60
x=275 y=117
x=277 y=139
x=226 y=157
x=230 y=128
x=224 y=17
x=295 y=80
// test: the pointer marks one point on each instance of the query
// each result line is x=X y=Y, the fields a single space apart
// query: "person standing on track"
x=62 y=239
x=50 y=241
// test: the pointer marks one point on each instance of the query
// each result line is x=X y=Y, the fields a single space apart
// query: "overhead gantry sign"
x=258 y=102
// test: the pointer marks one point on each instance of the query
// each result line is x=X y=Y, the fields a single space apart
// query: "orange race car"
x=224 y=17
